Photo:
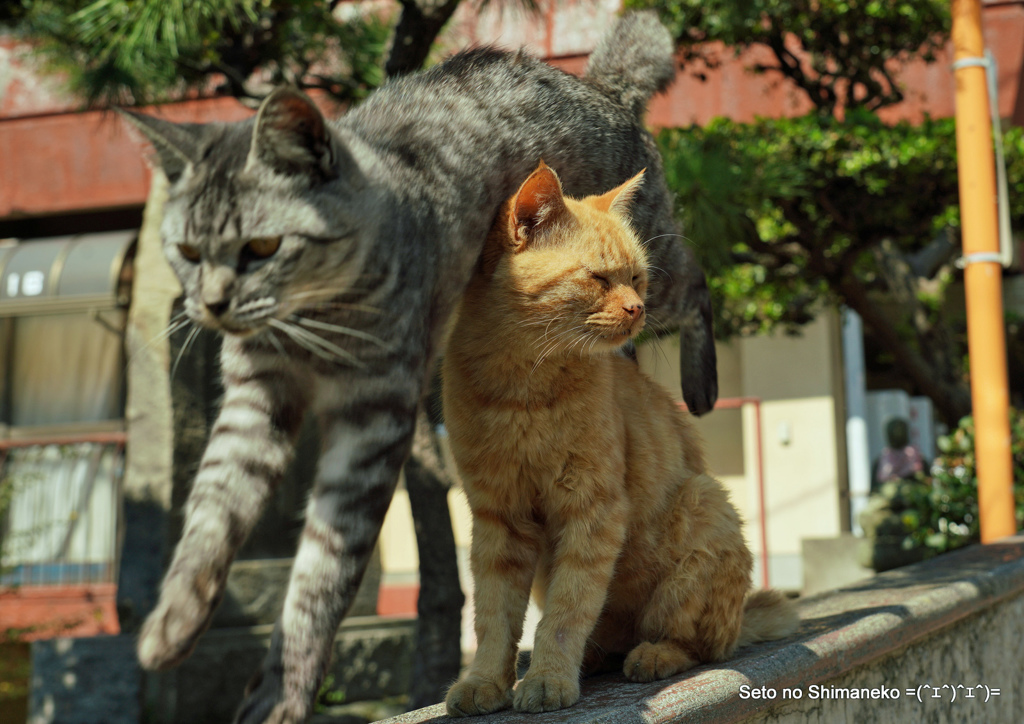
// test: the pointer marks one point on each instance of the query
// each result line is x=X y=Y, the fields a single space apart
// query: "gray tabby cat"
x=330 y=256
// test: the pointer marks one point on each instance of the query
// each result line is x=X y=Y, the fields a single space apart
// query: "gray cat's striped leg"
x=365 y=445
x=250 y=447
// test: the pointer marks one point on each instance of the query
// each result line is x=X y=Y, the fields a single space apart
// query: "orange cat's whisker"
x=659 y=270
x=662 y=236
x=551 y=346
x=586 y=336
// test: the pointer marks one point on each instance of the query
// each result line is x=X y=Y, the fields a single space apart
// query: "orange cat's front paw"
x=648 y=661
x=473 y=696
x=546 y=692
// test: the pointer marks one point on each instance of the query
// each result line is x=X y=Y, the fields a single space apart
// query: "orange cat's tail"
x=767 y=615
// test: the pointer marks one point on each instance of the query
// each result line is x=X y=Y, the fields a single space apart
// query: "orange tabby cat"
x=584 y=477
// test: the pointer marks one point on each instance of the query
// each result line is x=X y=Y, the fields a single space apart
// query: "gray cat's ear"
x=176 y=144
x=538 y=204
x=291 y=136
x=619 y=200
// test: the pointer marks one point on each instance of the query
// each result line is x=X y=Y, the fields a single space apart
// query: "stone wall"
x=98 y=680
x=894 y=648
x=981 y=653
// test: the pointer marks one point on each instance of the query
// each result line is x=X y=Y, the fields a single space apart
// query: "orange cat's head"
x=575 y=271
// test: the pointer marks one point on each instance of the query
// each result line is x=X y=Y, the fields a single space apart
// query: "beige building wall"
x=798 y=381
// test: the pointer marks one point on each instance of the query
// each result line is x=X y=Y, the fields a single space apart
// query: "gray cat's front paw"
x=266 y=711
x=266 y=703
x=270 y=712
x=181 y=616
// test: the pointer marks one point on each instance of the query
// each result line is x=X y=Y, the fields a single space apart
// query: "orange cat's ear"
x=537 y=204
x=619 y=199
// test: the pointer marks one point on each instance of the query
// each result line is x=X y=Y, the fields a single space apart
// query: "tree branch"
x=820 y=94
x=417 y=28
x=953 y=400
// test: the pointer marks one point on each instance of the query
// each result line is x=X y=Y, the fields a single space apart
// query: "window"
x=62 y=316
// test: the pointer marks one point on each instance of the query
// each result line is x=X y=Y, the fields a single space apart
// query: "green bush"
x=939 y=512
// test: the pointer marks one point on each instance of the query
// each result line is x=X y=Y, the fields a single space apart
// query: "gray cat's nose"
x=219 y=307
x=216 y=287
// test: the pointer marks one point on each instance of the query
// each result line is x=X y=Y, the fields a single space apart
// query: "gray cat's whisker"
x=327 y=299
x=309 y=346
x=176 y=324
x=347 y=331
x=328 y=294
x=181 y=352
x=317 y=344
x=348 y=306
x=255 y=305
x=272 y=336
x=339 y=352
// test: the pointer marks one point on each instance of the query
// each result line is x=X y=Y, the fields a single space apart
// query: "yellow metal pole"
x=982 y=277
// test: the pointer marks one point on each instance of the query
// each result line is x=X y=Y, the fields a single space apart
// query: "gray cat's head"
x=264 y=217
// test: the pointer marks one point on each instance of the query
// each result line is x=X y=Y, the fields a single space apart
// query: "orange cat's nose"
x=634 y=310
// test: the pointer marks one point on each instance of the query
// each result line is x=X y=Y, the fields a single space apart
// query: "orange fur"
x=585 y=479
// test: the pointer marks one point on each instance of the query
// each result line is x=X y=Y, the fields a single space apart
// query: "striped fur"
x=331 y=256
x=584 y=478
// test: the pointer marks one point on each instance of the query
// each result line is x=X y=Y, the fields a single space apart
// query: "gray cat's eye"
x=264 y=247
x=190 y=252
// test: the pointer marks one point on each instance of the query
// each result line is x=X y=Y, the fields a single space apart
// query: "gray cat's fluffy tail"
x=633 y=61
x=767 y=615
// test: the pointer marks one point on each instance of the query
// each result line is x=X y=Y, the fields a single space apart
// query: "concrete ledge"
x=98 y=680
x=954 y=621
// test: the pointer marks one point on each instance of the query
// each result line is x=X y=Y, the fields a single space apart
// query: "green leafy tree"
x=131 y=52
x=838 y=52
